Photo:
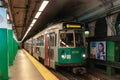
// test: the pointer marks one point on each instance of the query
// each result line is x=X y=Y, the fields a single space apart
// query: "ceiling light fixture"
x=44 y=4
x=34 y=20
x=38 y=14
x=41 y=8
x=29 y=29
x=31 y=24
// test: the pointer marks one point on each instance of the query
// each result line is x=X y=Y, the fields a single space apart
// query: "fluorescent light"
x=14 y=36
x=27 y=31
x=42 y=7
x=25 y=34
x=29 y=28
x=37 y=15
x=34 y=20
x=31 y=24
x=8 y=17
x=44 y=4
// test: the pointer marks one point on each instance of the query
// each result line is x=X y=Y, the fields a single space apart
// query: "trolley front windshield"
x=66 y=38
x=71 y=38
x=79 y=39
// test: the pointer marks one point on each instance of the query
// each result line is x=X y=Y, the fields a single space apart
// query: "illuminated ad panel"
x=98 y=50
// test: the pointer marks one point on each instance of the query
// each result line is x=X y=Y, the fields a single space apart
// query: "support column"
x=91 y=64
x=15 y=46
x=111 y=31
x=13 y=49
x=92 y=34
x=92 y=29
x=10 y=44
x=3 y=45
x=111 y=20
x=110 y=56
x=117 y=51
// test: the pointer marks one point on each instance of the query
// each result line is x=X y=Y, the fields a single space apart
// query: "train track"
x=91 y=75
x=67 y=75
x=72 y=76
x=63 y=74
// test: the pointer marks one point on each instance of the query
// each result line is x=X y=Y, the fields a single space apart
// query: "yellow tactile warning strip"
x=43 y=71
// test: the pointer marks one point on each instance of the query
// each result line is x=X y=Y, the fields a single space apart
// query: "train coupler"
x=80 y=70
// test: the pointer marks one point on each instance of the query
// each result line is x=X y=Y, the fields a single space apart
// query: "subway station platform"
x=27 y=68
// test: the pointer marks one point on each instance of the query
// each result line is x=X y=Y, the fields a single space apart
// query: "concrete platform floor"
x=23 y=69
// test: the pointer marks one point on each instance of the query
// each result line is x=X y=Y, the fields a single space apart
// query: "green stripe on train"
x=71 y=55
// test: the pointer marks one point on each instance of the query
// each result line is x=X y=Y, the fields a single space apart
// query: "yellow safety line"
x=43 y=71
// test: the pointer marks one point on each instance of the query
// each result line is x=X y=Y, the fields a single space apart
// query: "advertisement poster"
x=98 y=50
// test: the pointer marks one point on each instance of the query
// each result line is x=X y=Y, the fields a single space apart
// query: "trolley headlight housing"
x=84 y=55
x=63 y=56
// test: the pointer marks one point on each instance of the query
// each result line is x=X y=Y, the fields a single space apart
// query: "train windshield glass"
x=79 y=41
x=66 y=38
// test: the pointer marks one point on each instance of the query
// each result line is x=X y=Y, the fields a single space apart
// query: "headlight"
x=63 y=54
x=84 y=55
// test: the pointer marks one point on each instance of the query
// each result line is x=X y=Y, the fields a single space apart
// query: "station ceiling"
x=22 y=13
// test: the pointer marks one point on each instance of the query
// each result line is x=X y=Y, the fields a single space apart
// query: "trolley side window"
x=34 y=42
x=41 y=41
x=52 y=39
